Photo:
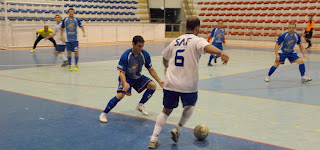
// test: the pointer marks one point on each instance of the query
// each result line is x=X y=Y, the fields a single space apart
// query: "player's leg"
x=210 y=59
x=114 y=101
x=295 y=58
x=219 y=46
x=59 y=53
x=69 y=52
x=140 y=85
x=76 y=54
x=53 y=41
x=189 y=101
x=275 y=66
x=36 y=43
x=170 y=101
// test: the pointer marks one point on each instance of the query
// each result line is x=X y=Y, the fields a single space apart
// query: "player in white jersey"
x=182 y=76
x=61 y=46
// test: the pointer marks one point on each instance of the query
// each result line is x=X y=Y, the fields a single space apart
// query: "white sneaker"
x=141 y=108
x=103 y=117
x=305 y=79
x=153 y=144
x=267 y=79
x=175 y=132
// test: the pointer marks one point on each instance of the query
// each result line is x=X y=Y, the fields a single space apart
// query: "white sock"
x=161 y=120
x=186 y=114
x=63 y=57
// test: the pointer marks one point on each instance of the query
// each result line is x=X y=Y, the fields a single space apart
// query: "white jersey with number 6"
x=182 y=72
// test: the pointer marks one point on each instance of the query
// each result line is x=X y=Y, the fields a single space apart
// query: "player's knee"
x=56 y=53
x=276 y=64
x=300 y=61
x=152 y=86
x=120 y=96
x=167 y=111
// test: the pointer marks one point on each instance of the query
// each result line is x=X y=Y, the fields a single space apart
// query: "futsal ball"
x=201 y=132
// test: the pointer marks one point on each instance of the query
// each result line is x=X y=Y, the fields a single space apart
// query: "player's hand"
x=84 y=35
x=62 y=39
x=224 y=44
x=277 y=58
x=224 y=58
x=161 y=83
x=305 y=56
x=126 y=87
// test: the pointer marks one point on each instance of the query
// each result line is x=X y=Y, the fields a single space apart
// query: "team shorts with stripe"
x=139 y=84
x=292 y=57
x=72 y=46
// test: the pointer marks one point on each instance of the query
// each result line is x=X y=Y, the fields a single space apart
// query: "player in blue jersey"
x=217 y=35
x=285 y=49
x=130 y=66
x=70 y=25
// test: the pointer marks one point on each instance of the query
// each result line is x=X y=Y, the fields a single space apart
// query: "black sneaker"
x=215 y=60
x=65 y=63
x=209 y=64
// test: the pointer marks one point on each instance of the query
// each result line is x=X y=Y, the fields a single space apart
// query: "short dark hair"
x=293 y=23
x=220 y=20
x=70 y=9
x=57 y=16
x=137 y=39
x=192 y=23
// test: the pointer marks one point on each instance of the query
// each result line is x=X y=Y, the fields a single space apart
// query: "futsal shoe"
x=267 y=79
x=65 y=63
x=32 y=51
x=154 y=144
x=305 y=79
x=175 y=134
x=141 y=108
x=215 y=60
x=70 y=68
x=103 y=117
x=76 y=68
x=209 y=64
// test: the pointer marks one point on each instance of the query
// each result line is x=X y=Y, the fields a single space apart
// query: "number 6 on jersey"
x=179 y=60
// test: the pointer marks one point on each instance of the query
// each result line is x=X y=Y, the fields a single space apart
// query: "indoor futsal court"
x=46 y=106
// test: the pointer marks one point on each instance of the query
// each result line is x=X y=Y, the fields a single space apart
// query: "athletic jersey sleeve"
x=200 y=45
x=39 y=31
x=212 y=32
x=299 y=39
x=123 y=63
x=50 y=31
x=312 y=24
x=281 y=38
x=147 y=58
x=63 y=23
x=79 y=23
x=167 y=52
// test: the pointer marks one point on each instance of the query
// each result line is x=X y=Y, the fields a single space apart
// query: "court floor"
x=44 y=106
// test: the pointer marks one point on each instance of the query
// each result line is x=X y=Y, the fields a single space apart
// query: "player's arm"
x=276 y=51
x=123 y=80
x=61 y=35
x=166 y=64
x=50 y=36
x=303 y=51
x=83 y=31
x=154 y=74
x=213 y=50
